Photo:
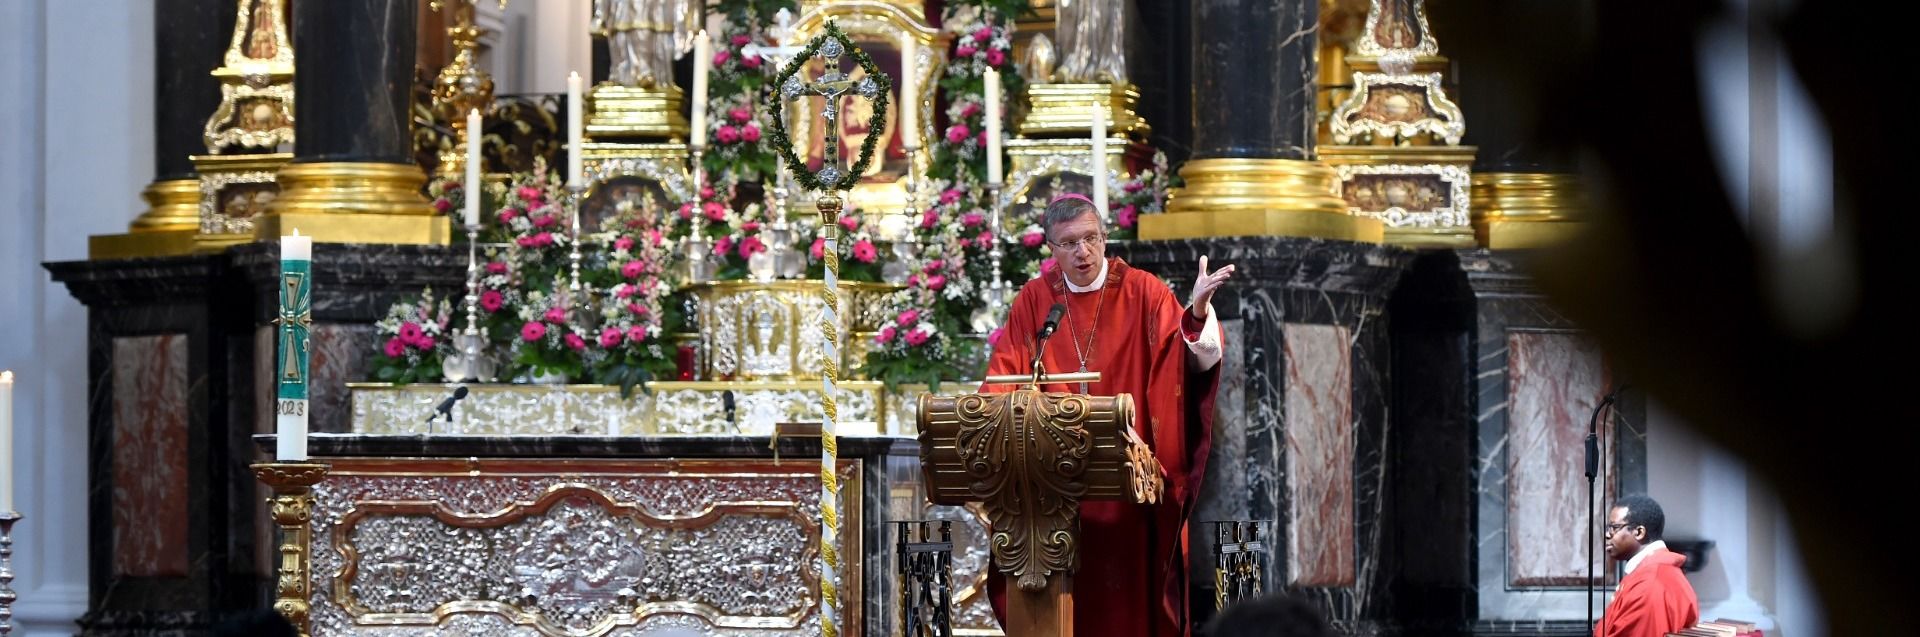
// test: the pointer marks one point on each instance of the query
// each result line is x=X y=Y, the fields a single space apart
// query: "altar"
x=599 y=535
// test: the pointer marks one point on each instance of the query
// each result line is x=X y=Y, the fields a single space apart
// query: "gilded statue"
x=644 y=37
x=1090 y=38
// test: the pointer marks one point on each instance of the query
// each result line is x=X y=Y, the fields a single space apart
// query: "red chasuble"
x=1653 y=600
x=1132 y=580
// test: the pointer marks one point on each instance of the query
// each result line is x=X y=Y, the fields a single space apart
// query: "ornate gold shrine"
x=765 y=331
x=1396 y=136
x=235 y=190
x=629 y=113
x=647 y=177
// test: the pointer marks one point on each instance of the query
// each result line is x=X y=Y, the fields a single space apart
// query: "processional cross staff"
x=833 y=84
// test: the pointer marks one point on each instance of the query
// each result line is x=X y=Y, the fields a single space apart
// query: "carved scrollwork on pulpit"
x=1026 y=454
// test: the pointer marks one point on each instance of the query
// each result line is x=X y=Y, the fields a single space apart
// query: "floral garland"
x=737 y=84
x=415 y=340
x=1145 y=193
x=874 y=87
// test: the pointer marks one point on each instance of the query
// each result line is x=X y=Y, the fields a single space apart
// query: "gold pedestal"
x=292 y=501
x=354 y=202
x=1526 y=210
x=166 y=228
x=621 y=112
x=1258 y=197
x=1419 y=193
x=235 y=190
x=1065 y=109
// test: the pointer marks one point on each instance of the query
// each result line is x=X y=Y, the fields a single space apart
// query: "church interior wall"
x=78 y=131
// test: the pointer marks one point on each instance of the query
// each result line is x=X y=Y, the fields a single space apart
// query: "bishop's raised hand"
x=1204 y=286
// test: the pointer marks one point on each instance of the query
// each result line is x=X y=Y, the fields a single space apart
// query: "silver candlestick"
x=697 y=239
x=997 y=294
x=472 y=345
x=913 y=191
x=7 y=518
x=574 y=193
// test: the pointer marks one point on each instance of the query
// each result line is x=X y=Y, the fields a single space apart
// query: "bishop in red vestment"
x=1654 y=598
x=1126 y=324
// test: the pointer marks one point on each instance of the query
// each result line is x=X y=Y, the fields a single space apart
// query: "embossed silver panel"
x=576 y=548
x=671 y=408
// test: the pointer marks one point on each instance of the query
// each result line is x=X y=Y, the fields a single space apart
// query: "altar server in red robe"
x=1126 y=324
x=1654 y=598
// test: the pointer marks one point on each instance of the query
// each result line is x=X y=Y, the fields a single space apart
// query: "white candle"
x=702 y=62
x=992 y=79
x=290 y=410
x=576 y=123
x=6 y=441
x=1099 y=160
x=473 y=168
x=909 y=91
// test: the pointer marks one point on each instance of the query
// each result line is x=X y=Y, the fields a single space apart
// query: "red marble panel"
x=150 y=456
x=1320 y=439
x=1554 y=380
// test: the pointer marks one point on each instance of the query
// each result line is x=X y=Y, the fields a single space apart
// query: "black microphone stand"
x=1593 y=469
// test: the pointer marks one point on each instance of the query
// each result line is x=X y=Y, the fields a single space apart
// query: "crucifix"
x=832 y=85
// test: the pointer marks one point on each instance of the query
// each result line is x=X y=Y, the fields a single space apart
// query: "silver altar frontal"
x=594 y=536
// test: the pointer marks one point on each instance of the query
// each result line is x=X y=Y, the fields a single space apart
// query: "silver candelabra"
x=7 y=518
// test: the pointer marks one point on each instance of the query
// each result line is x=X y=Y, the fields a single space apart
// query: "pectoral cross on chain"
x=832 y=85
x=295 y=321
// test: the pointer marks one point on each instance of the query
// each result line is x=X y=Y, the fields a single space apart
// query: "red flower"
x=395 y=348
x=850 y=222
x=442 y=205
x=623 y=243
x=970 y=110
x=625 y=290
x=533 y=331
x=1034 y=239
x=739 y=114
x=545 y=221
x=1127 y=215
x=496 y=267
x=930 y=219
x=750 y=133
x=965 y=51
x=633 y=269
x=1134 y=186
x=507 y=214
x=410 y=332
x=908 y=318
x=984 y=35
x=916 y=338
x=610 y=337
x=723 y=246
x=864 y=252
x=706 y=192
x=885 y=336
x=714 y=210
x=950 y=195
x=492 y=300
x=686 y=210
x=636 y=334
x=995 y=57
x=574 y=341
x=721 y=57
x=958 y=133
x=751 y=246
x=936 y=282
x=819 y=249
x=727 y=135
x=555 y=316
x=741 y=39
x=530 y=194
x=972 y=219
x=935 y=265
x=750 y=62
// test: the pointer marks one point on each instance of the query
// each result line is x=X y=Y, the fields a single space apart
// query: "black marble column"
x=1163 y=68
x=190 y=37
x=1253 y=78
x=354 y=79
x=1506 y=54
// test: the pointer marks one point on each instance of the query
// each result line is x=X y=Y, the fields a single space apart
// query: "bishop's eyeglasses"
x=1090 y=241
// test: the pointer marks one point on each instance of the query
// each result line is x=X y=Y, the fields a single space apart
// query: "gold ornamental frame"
x=1443 y=119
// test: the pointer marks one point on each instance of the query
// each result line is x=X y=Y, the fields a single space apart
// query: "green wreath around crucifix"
x=830 y=45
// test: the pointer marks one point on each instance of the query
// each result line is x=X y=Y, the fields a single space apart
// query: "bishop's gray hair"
x=1067 y=209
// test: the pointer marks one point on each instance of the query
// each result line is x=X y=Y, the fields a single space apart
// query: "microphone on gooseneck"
x=1053 y=321
x=446 y=406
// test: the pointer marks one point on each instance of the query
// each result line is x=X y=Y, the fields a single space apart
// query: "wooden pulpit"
x=1030 y=458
